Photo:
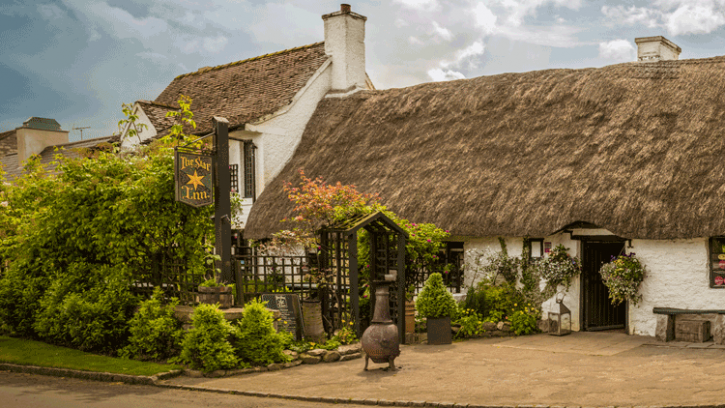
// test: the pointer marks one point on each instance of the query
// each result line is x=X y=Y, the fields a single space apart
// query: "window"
x=536 y=248
x=717 y=262
x=234 y=177
x=249 y=167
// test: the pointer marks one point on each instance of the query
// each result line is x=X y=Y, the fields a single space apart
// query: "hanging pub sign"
x=194 y=178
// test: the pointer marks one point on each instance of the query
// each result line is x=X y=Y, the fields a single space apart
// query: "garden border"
x=90 y=375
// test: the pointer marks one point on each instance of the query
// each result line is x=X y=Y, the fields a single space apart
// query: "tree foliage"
x=84 y=232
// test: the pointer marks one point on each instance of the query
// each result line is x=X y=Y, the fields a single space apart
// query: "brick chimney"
x=654 y=49
x=36 y=134
x=345 y=42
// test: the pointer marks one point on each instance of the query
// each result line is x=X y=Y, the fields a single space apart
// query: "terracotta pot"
x=410 y=317
x=219 y=294
x=439 y=330
x=312 y=321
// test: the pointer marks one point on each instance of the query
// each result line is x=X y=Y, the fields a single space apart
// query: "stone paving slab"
x=590 y=343
x=481 y=372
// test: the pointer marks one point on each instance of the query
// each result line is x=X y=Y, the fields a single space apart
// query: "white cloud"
x=676 y=16
x=51 y=12
x=438 y=75
x=519 y=9
x=618 y=50
x=484 y=17
x=632 y=15
x=551 y=36
x=472 y=50
x=216 y=44
x=419 y=4
x=694 y=19
x=400 y=23
x=415 y=41
x=442 y=32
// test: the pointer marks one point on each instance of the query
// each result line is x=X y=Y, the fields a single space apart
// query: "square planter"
x=219 y=294
x=439 y=330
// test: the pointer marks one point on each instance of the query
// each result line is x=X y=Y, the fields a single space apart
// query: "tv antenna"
x=81 y=129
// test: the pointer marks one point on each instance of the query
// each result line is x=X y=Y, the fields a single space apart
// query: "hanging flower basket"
x=623 y=276
x=559 y=268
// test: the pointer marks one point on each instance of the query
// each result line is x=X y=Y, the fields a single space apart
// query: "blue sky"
x=77 y=60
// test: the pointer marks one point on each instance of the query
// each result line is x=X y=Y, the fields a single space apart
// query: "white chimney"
x=653 y=49
x=36 y=134
x=345 y=42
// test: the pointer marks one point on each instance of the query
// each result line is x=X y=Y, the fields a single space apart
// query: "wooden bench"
x=665 y=330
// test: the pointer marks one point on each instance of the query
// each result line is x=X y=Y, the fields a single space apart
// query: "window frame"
x=715 y=255
x=540 y=242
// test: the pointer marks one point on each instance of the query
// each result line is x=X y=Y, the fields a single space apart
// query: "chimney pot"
x=345 y=8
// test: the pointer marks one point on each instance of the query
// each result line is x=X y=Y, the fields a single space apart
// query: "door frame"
x=595 y=239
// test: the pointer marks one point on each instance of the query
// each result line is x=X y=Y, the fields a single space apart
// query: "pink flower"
x=414 y=224
x=428 y=240
x=447 y=231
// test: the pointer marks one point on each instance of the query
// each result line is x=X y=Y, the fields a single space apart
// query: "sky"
x=77 y=61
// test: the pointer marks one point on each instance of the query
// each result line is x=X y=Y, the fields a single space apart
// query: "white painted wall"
x=677 y=276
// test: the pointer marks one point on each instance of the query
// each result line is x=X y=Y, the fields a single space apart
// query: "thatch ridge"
x=634 y=148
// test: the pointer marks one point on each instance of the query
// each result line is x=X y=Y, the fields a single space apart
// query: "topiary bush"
x=156 y=334
x=258 y=343
x=207 y=346
x=434 y=300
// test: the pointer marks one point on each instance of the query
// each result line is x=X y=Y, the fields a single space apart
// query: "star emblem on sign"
x=195 y=180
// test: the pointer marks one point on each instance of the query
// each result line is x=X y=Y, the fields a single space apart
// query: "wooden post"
x=401 y=287
x=354 y=283
x=222 y=200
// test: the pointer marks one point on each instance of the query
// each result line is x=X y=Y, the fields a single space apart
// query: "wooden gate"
x=597 y=312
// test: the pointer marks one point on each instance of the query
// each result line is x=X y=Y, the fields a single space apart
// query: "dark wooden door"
x=597 y=310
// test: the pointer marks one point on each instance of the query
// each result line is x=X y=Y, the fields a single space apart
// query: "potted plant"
x=623 y=276
x=211 y=292
x=436 y=304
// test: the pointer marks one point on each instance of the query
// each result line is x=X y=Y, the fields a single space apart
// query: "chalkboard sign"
x=289 y=307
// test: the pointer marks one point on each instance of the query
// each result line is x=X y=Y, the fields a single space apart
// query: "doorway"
x=597 y=312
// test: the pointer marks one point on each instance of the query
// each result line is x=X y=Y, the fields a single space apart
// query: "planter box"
x=220 y=294
x=439 y=330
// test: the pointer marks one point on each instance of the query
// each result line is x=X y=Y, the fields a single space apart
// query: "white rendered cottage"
x=267 y=100
x=628 y=157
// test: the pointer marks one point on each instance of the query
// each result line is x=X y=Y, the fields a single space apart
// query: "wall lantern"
x=559 y=318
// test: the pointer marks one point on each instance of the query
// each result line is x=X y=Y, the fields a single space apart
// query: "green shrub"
x=86 y=307
x=496 y=302
x=476 y=301
x=434 y=300
x=258 y=343
x=524 y=321
x=206 y=346
x=156 y=334
x=470 y=321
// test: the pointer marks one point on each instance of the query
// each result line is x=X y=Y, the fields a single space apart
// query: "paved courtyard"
x=583 y=369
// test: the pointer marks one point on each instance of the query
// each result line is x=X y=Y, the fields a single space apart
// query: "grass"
x=29 y=352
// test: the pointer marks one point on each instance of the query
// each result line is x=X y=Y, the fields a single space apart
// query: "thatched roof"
x=247 y=90
x=638 y=149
